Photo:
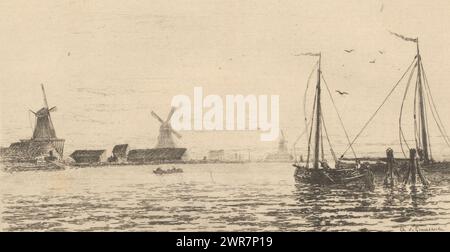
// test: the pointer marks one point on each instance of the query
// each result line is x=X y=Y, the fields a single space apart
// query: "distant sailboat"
x=282 y=155
x=321 y=171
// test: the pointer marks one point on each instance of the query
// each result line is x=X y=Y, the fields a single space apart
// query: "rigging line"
x=428 y=89
x=428 y=133
x=301 y=135
x=429 y=94
x=306 y=92
x=310 y=132
x=321 y=133
x=434 y=113
x=374 y=114
x=433 y=105
x=400 y=130
x=328 y=140
x=298 y=139
x=426 y=118
x=321 y=143
x=31 y=124
x=339 y=116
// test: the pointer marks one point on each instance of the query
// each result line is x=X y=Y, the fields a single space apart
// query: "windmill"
x=44 y=127
x=282 y=143
x=165 y=139
x=44 y=139
x=282 y=154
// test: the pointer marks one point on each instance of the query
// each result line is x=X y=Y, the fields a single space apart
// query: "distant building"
x=279 y=157
x=156 y=155
x=31 y=149
x=217 y=155
x=89 y=156
x=119 y=153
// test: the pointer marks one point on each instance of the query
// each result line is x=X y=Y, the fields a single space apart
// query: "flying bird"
x=349 y=51
x=341 y=92
x=372 y=62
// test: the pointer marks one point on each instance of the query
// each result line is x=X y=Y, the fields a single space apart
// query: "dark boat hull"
x=363 y=177
x=401 y=165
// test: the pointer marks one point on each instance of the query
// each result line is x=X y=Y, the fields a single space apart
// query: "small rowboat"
x=160 y=171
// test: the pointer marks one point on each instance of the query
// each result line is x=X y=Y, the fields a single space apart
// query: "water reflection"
x=330 y=208
x=344 y=208
x=241 y=198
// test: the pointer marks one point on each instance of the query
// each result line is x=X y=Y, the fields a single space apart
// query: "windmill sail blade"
x=157 y=117
x=45 y=97
x=175 y=133
x=170 y=114
x=53 y=109
x=32 y=111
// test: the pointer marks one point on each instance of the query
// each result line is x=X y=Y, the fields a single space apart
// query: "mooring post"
x=412 y=165
x=421 y=176
x=408 y=171
x=389 y=179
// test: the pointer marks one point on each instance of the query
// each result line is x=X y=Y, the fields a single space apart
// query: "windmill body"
x=44 y=127
x=165 y=139
x=165 y=150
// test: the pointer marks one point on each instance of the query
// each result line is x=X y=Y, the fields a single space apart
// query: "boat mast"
x=423 y=121
x=318 y=118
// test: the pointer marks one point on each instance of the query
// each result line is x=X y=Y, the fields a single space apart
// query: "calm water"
x=225 y=197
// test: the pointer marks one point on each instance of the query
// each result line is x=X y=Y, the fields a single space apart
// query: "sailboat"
x=423 y=106
x=317 y=170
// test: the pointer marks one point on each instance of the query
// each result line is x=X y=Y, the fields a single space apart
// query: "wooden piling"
x=389 y=176
x=422 y=178
x=414 y=170
x=413 y=166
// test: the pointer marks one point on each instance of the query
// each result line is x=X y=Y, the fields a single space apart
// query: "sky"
x=107 y=64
